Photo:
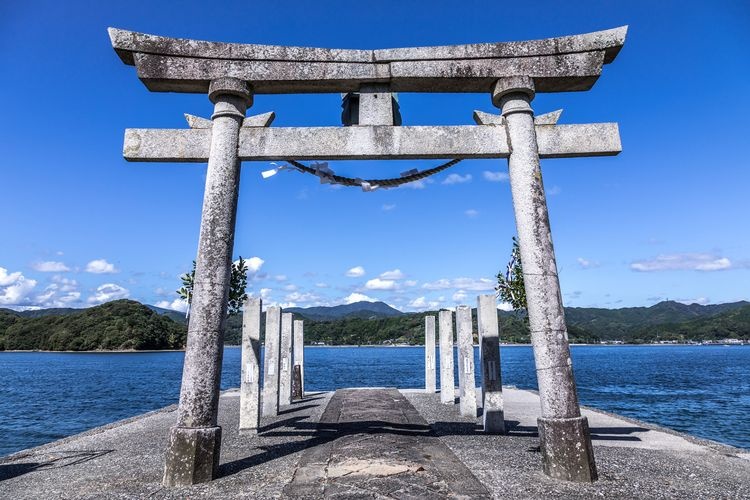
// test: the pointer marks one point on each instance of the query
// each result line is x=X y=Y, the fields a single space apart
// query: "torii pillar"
x=194 y=443
x=564 y=434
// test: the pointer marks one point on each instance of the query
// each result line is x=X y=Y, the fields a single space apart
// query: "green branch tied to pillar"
x=237 y=286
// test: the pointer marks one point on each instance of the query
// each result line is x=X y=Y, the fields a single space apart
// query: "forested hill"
x=117 y=325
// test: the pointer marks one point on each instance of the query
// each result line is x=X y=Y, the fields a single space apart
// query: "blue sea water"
x=701 y=390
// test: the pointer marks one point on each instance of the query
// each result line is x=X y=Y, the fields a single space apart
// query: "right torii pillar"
x=563 y=433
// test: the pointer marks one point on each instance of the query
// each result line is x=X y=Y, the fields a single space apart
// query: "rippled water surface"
x=702 y=390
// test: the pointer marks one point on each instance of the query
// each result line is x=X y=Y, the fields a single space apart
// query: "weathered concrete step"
x=377 y=444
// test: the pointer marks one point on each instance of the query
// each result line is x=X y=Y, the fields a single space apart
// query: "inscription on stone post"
x=466 y=383
x=489 y=355
x=447 y=380
x=249 y=385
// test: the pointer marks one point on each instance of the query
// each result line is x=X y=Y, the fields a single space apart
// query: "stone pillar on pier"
x=564 y=434
x=250 y=378
x=447 y=381
x=299 y=351
x=195 y=442
x=271 y=362
x=466 y=382
x=489 y=360
x=286 y=367
x=429 y=355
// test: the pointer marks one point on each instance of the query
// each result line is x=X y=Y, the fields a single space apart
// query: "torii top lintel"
x=569 y=63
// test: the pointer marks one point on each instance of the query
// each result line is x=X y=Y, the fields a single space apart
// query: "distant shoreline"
x=151 y=351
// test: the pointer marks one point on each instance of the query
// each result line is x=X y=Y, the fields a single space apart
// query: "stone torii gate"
x=511 y=73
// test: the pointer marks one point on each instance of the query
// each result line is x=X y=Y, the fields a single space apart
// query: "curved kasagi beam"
x=560 y=64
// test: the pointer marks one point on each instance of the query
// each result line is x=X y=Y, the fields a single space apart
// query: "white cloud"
x=460 y=296
x=378 y=284
x=700 y=300
x=586 y=264
x=422 y=303
x=356 y=272
x=303 y=297
x=253 y=264
x=179 y=305
x=474 y=285
x=358 y=297
x=62 y=292
x=410 y=283
x=280 y=277
x=494 y=176
x=50 y=266
x=290 y=288
x=15 y=288
x=456 y=179
x=420 y=184
x=505 y=306
x=554 y=190
x=108 y=292
x=387 y=207
x=101 y=266
x=471 y=212
x=321 y=285
x=265 y=293
x=394 y=274
x=682 y=262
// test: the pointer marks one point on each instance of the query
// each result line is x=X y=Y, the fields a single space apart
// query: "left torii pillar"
x=195 y=442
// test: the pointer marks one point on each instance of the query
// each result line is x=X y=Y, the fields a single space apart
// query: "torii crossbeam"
x=510 y=72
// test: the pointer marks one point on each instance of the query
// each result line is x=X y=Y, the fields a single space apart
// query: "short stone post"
x=296 y=383
x=195 y=442
x=564 y=434
x=299 y=352
x=447 y=381
x=250 y=379
x=285 y=373
x=271 y=362
x=489 y=356
x=429 y=354
x=466 y=381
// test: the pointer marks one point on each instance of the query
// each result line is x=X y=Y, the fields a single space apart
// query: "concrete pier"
x=250 y=376
x=406 y=445
x=430 y=367
x=466 y=382
x=285 y=372
x=271 y=362
x=489 y=360
x=563 y=433
x=447 y=380
x=299 y=351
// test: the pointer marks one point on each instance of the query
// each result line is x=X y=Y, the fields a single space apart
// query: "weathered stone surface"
x=192 y=455
x=566 y=448
x=299 y=350
x=483 y=118
x=466 y=385
x=430 y=366
x=447 y=381
x=272 y=354
x=374 y=444
x=286 y=367
x=201 y=374
x=250 y=376
x=261 y=120
x=371 y=142
x=557 y=388
x=375 y=104
x=297 y=384
x=493 y=417
x=179 y=65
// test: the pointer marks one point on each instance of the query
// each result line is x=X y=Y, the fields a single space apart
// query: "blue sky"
x=663 y=220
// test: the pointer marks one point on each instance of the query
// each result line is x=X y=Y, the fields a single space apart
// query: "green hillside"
x=117 y=325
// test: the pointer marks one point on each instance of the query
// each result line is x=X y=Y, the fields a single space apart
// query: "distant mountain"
x=610 y=324
x=174 y=315
x=362 y=309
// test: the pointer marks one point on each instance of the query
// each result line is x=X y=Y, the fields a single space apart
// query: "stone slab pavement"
x=378 y=444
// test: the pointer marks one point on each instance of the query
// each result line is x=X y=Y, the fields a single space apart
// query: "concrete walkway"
x=378 y=444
